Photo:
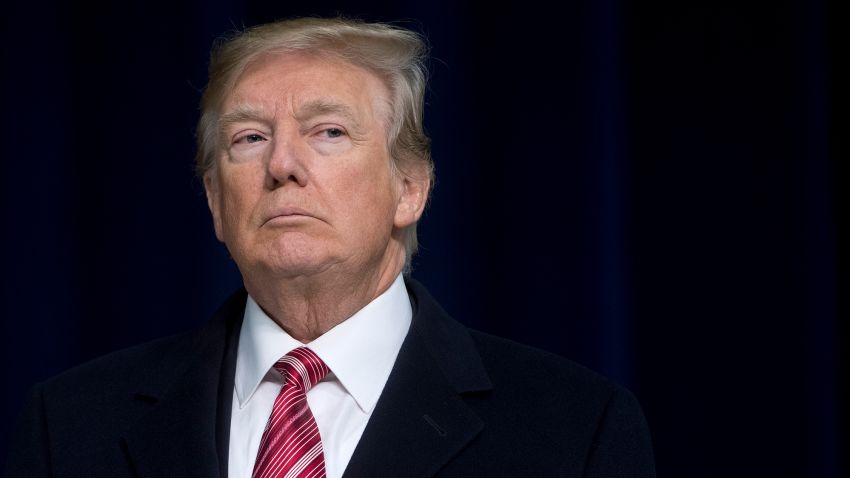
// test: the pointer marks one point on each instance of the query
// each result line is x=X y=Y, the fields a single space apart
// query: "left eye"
x=253 y=138
x=334 y=132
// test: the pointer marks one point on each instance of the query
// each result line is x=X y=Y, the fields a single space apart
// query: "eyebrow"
x=242 y=113
x=319 y=107
x=306 y=111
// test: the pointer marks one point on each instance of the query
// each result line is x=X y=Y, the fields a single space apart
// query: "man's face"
x=303 y=182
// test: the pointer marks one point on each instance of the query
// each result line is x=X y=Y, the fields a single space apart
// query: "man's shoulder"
x=564 y=409
x=148 y=394
x=514 y=364
x=151 y=364
x=494 y=348
x=126 y=365
x=516 y=371
x=94 y=403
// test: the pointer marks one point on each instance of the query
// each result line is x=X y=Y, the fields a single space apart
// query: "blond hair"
x=396 y=55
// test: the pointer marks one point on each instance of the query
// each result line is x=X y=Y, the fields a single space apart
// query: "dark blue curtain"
x=651 y=189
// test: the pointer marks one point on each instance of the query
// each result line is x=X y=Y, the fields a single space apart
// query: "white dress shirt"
x=360 y=353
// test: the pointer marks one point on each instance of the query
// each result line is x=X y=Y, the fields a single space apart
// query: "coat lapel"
x=186 y=430
x=421 y=420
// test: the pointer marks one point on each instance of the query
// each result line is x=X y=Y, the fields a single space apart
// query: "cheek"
x=375 y=206
x=368 y=183
x=236 y=205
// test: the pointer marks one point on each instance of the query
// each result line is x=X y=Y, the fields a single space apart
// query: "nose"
x=286 y=163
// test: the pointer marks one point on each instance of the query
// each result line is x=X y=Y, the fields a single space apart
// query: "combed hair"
x=396 y=55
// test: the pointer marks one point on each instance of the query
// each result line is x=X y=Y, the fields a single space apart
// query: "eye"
x=247 y=138
x=253 y=138
x=334 y=132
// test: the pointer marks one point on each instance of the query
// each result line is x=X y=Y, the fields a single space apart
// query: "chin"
x=296 y=268
x=295 y=258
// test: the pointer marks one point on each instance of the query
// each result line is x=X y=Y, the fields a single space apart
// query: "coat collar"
x=186 y=431
x=422 y=406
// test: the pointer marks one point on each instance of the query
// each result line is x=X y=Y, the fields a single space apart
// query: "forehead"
x=285 y=82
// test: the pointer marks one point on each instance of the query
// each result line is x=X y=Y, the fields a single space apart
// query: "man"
x=330 y=362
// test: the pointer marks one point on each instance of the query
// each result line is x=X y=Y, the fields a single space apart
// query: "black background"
x=651 y=189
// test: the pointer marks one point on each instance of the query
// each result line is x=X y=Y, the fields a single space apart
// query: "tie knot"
x=302 y=367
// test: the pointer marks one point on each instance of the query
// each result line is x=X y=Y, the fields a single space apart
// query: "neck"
x=308 y=306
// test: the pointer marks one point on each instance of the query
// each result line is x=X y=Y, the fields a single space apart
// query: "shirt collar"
x=360 y=351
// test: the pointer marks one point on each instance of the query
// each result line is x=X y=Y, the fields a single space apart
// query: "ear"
x=413 y=196
x=213 y=202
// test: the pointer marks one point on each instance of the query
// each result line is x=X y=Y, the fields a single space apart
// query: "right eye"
x=250 y=138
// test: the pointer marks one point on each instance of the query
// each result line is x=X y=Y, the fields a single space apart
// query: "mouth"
x=288 y=214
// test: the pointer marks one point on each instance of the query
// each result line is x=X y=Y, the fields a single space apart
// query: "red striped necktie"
x=291 y=446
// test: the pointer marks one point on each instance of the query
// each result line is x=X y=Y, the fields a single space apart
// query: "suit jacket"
x=457 y=403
